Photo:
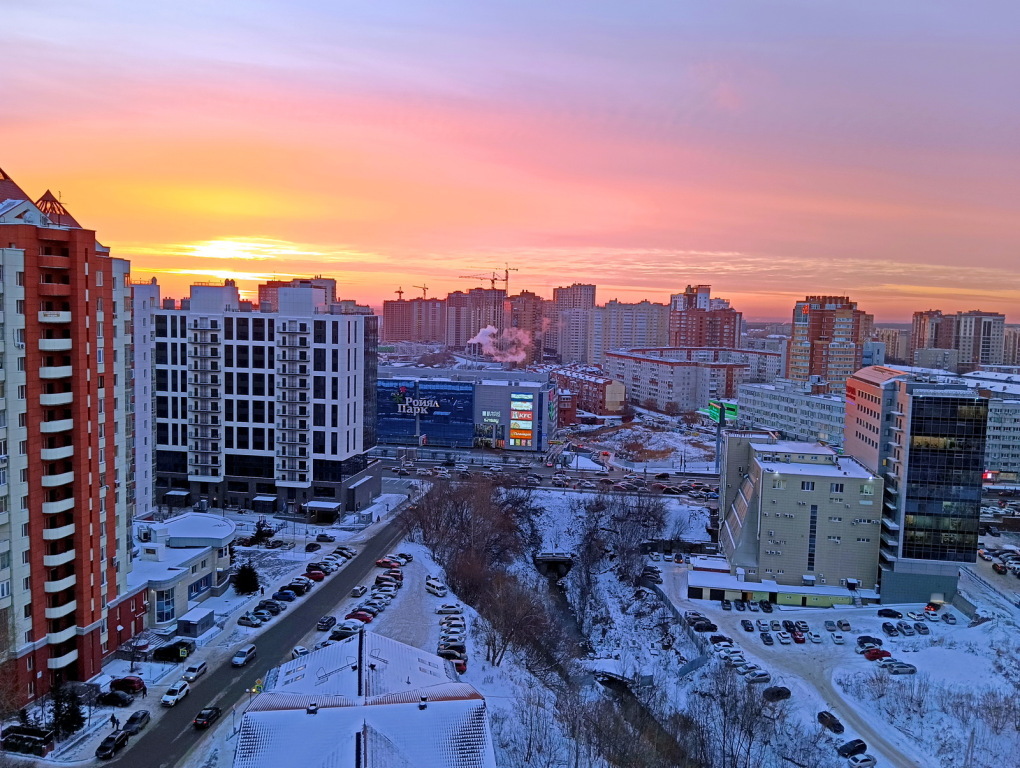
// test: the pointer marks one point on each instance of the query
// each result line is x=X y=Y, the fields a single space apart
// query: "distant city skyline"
x=770 y=150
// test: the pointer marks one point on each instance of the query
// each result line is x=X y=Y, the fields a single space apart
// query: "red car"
x=360 y=616
x=798 y=637
x=129 y=684
x=874 y=654
x=394 y=574
x=387 y=563
x=314 y=575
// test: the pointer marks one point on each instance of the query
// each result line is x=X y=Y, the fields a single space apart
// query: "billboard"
x=410 y=412
x=522 y=419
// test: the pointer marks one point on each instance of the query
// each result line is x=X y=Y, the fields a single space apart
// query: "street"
x=168 y=740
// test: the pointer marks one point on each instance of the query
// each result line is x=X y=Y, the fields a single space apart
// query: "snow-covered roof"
x=195 y=529
x=365 y=702
x=713 y=580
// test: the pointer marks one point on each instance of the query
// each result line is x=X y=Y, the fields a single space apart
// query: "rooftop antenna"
x=424 y=290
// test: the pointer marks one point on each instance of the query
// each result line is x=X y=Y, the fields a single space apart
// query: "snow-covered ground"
x=636 y=445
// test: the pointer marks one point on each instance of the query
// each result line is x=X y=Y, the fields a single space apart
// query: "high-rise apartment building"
x=897 y=344
x=420 y=320
x=798 y=513
x=67 y=475
x=930 y=329
x=525 y=314
x=568 y=322
x=574 y=296
x=262 y=409
x=978 y=338
x=828 y=340
x=926 y=438
x=624 y=326
x=1011 y=345
x=698 y=320
x=469 y=312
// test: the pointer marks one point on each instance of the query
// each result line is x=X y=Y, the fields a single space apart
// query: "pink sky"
x=771 y=150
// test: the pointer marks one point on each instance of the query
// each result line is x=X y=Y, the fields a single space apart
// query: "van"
x=194 y=671
x=439 y=590
x=243 y=655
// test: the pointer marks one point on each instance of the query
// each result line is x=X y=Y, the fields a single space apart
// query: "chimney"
x=313 y=709
x=423 y=704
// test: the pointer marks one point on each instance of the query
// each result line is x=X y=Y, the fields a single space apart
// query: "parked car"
x=789 y=626
x=889 y=613
x=844 y=625
x=830 y=626
x=837 y=638
x=747 y=625
x=921 y=628
x=906 y=629
x=262 y=615
x=999 y=568
x=111 y=745
x=360 y=616
x=851 y=748
x=766 y=638
x=874 y=654
x=915 y=616
x=299 y=588
x=861 y=761
x=865 y=639
x=831 y=722
x=175 y=693
x=346 y=629
x=765 y=605
x=802 y=626
x=760 y=676
x=450 y=608
x=888 y=662
x=384 y=562
x=776 y=693
x=136 y=722
x=195 y=670
x=726 y=605
x=248 y=620
x=948 y=618
x=752 y=606
x=325 y=623
x=798 y=638
x=275 y=607
x=312 y=547
x=115 y=699
x=775 y=625
x=763 y=626
x=890 y=629
x=274 y=544
x=129 y=684
x=902 y=669
x=814 y=637
x=298 y=651
x=783 y=638
x=740 y=605
x=324 y=537
x=286 y=595
x=207 y=717
x=314 y=575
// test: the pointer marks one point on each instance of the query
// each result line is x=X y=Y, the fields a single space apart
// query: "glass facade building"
x=425 y=412
x=942 y=492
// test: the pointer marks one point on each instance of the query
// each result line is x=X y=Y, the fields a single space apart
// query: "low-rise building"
x=365 y=702
x=798 y=513
x=796 y=410
x=596 y=393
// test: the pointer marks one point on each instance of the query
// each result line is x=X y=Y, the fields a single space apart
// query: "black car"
x=325 y=537
x=298 y=587
x=747 y=624
x=766 y=606
x=851 y=748
x=272 y=606
x=207 y=717
x=766 y=637
x=704 y=626
x=115 y=699
x=889 y=613
x=776 y=693
x=111 y=745
x=740 y=605
x=274 y=543
x=326 y=622
x=312 y=547
x=865 y=639
x=890 y=629
x=726 y=605
x=830 y=721
x=789 y=626
x=136 y=722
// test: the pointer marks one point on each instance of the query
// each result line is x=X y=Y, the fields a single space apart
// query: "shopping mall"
x=465 y=409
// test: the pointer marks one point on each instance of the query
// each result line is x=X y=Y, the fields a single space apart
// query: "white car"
x=761 y=676
x=175 y=693
x=736 y=660
x=746 y=669
x=861 y=761
x=814 y=637
x=837 y=638
x=450 y=608
x=783 y=638
x=914 y=616
x=299 y=651
x=397 y=559
x=322 y=644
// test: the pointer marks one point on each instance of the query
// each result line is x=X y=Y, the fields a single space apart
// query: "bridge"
x=554 y=563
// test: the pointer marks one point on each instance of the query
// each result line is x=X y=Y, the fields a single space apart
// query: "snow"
x=659 y=447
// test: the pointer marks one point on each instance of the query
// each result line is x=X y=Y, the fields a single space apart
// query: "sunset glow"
x=768 y=149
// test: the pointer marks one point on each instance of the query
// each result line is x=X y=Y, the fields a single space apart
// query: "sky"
x=772 y=149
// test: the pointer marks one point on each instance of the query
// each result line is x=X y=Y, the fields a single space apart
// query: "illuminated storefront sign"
x=522 y=424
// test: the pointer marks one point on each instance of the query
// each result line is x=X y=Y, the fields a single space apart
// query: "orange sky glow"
x=860 y=151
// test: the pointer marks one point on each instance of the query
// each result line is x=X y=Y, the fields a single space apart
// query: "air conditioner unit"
x=19 y=344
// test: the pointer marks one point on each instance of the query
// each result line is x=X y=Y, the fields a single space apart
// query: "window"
x=835 y=487
x=807 y=485
x=164 y=605
x=778 y=484
x=867 y=490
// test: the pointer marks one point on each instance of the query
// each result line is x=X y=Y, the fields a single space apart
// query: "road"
x=167 y=741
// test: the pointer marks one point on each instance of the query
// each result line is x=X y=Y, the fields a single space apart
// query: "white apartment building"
x=797 y=513
x=262 y=410
x=793 y=409
x=625 y=326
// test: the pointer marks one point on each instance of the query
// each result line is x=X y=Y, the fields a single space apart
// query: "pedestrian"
x=262 y=590
x=145 y=690
x=114 y=722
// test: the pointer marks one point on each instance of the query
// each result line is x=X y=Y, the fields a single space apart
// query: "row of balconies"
x=55 y=454
x=290 y=397
x=56 y=398
x=55 y=345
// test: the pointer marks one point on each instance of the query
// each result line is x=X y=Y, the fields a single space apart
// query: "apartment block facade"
x=593 y=391
x=797 y=513
x=262 y=410
x=796 y=410
x=828 y=340
x=67 y=481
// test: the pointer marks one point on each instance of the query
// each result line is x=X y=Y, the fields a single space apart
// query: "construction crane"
x=507 y=269
x=424 y=290
x=400 y=293
x=491 y=278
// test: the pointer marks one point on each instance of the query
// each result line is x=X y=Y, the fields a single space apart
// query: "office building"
x=454 y=408
x=67 y=473
x=926 y=438
x=797 y=513
x=801 y=411
x=265 y=410
x=828 y=340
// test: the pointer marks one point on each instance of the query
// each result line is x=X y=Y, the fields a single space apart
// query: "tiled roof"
x=9 y=190
x=55 y=211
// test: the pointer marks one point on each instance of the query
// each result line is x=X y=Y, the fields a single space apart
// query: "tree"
x=68 y=717
x=648 y=403
x=264 y=531
x=246 y=580
x=672 y=408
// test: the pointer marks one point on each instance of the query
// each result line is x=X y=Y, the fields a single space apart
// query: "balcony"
x=53 y=481
x=59 y=662
x=56 y=507
x=200 y=476
x=293 y=480
x=890 y=524
x=55 y=371
x=55 y=345
x=61 y=584
x=202 y=352
x=52 y=561
x=58 y=612
x=54 y=289
x=205 y=407
x=56 y=638
x=292 y=439
x=288 y=382
x=54 y=534
x=54 y=317
x=56 y=398
x=54 y=454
